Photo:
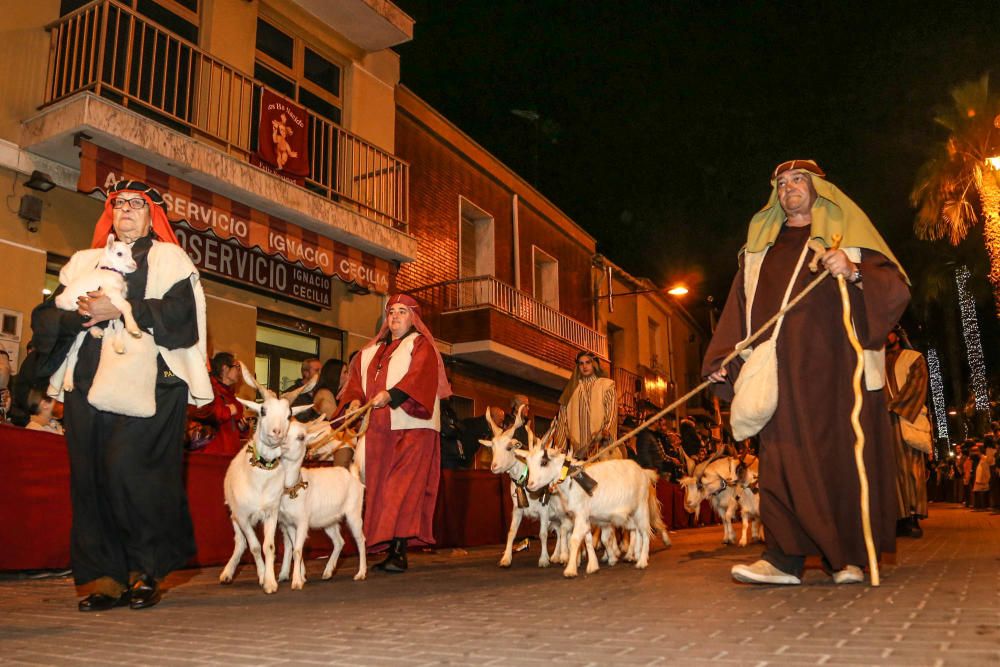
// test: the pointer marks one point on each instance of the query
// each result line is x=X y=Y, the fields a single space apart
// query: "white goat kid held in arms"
x=317 y=498
x=623 y=498
x=255 y=481
x=107 y=277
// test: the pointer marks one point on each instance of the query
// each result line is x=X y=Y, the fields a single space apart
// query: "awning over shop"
x=209 y=212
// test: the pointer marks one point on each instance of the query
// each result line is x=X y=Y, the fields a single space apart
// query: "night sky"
x=660 y=122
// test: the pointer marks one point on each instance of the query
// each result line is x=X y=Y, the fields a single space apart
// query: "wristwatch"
x=855 y=277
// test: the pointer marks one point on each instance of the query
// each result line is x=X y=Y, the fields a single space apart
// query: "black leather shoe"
x=394 y=565
x=102 y=602
x=395 y=560
x=145 y=592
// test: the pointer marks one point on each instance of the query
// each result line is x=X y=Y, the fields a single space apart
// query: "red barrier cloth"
x=473 y=508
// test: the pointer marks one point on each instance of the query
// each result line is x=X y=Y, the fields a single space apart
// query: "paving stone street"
x=938 y=605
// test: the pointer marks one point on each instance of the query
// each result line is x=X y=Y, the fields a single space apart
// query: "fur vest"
x=168 y=264
x=397 y=367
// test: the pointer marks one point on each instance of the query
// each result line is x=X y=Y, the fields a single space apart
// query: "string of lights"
x=937 y=394
x=973 y=343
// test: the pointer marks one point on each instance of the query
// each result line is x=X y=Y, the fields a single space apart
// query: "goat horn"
x=251 y=380
x=290 y=396
x=489 y=420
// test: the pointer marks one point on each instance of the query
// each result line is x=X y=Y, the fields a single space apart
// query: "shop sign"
x=228 y=220
x=251 y=267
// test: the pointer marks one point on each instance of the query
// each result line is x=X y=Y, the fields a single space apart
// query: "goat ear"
x=486 y=443
x=250 y=405
x=299 y=409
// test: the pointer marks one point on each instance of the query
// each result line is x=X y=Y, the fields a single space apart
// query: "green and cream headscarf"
x=833 y=212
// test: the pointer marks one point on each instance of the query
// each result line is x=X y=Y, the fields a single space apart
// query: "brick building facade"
x=503 y=275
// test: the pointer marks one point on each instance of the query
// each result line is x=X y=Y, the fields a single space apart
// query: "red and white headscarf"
x=444 y=387
x=157 y=211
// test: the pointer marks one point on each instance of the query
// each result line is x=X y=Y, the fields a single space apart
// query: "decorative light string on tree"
x=973 y=343
x=937 y=393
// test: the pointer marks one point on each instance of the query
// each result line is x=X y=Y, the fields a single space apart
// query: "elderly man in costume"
x=809 y=482
x=906 y=382
x=401 y=373
x=125 y=416
x=588 y=407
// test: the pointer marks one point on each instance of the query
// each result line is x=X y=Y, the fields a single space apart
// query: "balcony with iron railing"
x=111 y=51
x=482 y=317
x=629 y=388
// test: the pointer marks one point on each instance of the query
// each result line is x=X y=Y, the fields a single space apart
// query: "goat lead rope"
x=349 y=418
x=732 y=355
x=859 y=434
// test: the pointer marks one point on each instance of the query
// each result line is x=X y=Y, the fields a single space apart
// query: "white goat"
x=317 y=498
x=749 y=498
x=547 y=511
x=717 y=480
x=255 y=481
x=624 y=497
x=108 y=277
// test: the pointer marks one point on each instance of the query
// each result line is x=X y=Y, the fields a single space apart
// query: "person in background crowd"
x=125 y=418
x=984 y=474
x=969 y=464
x=649 y=450
x=401 y=373
x=690 y=441
x=21 y=385
x=524 y=403
x=345 y=373
x=453 y=454
x=6 y=398
x=327 y=387
x=310 y=368
x=474 y=429
x=224 y=413
x=41 y=408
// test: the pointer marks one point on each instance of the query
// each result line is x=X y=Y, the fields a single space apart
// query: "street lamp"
x=677 y=290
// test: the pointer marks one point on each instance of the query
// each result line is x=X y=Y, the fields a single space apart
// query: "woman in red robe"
x=400 y=372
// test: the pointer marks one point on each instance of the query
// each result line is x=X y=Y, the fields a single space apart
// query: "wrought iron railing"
x=108 y=49
x=488 y=292
x=628 y=386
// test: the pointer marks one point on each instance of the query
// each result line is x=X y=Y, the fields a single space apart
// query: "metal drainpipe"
x=517 y=243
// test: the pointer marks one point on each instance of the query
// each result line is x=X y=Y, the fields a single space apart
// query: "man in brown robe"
x=906 y=400
x=808 y=478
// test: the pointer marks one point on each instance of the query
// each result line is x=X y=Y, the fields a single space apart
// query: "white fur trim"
x=395 y=370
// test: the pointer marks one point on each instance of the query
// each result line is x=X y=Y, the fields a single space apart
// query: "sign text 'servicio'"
x=231 y=260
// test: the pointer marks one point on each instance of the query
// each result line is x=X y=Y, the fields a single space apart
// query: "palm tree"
x=957 y=187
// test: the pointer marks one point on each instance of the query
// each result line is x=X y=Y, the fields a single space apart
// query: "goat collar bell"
x=258 y=462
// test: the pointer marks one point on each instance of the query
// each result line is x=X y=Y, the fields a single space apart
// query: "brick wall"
x=439 y=175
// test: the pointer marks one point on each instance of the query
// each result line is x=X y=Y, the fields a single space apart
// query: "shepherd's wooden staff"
x=859 y=434
x=729 y=357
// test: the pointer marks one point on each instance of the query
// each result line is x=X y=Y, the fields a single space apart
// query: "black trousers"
x=130 y=510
